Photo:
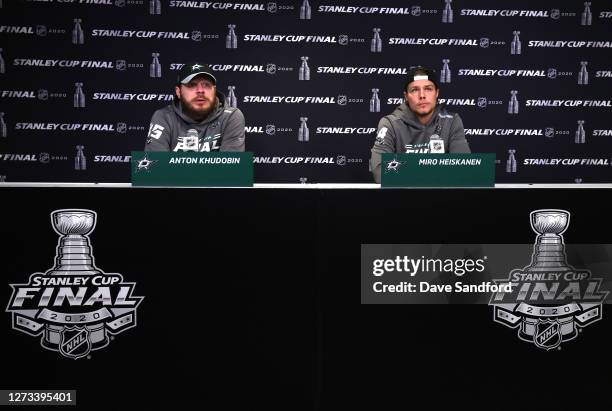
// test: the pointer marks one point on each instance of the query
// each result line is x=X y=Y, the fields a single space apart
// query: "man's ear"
x=177 y=91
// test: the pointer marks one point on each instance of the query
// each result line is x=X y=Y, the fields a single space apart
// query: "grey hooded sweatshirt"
x=222 y=130
x=401 y=132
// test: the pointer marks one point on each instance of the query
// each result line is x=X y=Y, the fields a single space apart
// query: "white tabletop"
x=300 y=186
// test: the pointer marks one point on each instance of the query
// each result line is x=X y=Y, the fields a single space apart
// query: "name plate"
x=192 y=169
x=438 y=170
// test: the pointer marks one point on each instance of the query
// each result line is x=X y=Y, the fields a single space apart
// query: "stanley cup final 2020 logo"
x=74 y=306
x=551 y=301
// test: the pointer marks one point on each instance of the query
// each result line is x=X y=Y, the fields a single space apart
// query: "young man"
x=198 y=119
x=418 y=122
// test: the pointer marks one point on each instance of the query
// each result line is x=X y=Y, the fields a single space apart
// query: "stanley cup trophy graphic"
x=376 y=42
x=375 y=101
x=80 y=161
x=549 y=301
x=511 y=162
x=447 y=13
x=304 y=71
x=231 y=96
x=78 y=37
x=305 y=11
x=155 y=67
x=580 y=134
x=74 y=258
x=1 y=62
x=231 y=41
x=303 y=132
x=154 y=7
x=74 y=323
x=445 y=74
x=3 y=132
x=513 y=104
x=586 y=19
x=515 y=45
x=79 y=96
x=583 y=74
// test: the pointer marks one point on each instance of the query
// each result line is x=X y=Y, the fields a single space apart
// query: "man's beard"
x=198 y=114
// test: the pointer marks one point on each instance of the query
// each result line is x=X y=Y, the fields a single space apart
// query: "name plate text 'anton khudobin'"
x=192 y=169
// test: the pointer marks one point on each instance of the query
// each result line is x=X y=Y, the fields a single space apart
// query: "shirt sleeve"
x=457 y=142
x=159 y=137
x=233 y=134
x=384 y=143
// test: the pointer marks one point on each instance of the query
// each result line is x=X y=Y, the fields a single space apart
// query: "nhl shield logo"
x=44 y=158
x=121 y=65
x=341 y=160
x=547 y=334
x=415 y=11
x=271 y=68
x=342 y=100
x=555 y=14
x=343 y=39
x=41 y=31
x=484 y=42
x=272 y=7
x=121 y=128
x=481 y=102
x=549 y=132
x=270 y=129
x=75 y=342
x=120 y=3
x=196 y=35
x=552 y=73
x=43 y=94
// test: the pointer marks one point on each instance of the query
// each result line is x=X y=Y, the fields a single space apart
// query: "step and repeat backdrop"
x=80 y=79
